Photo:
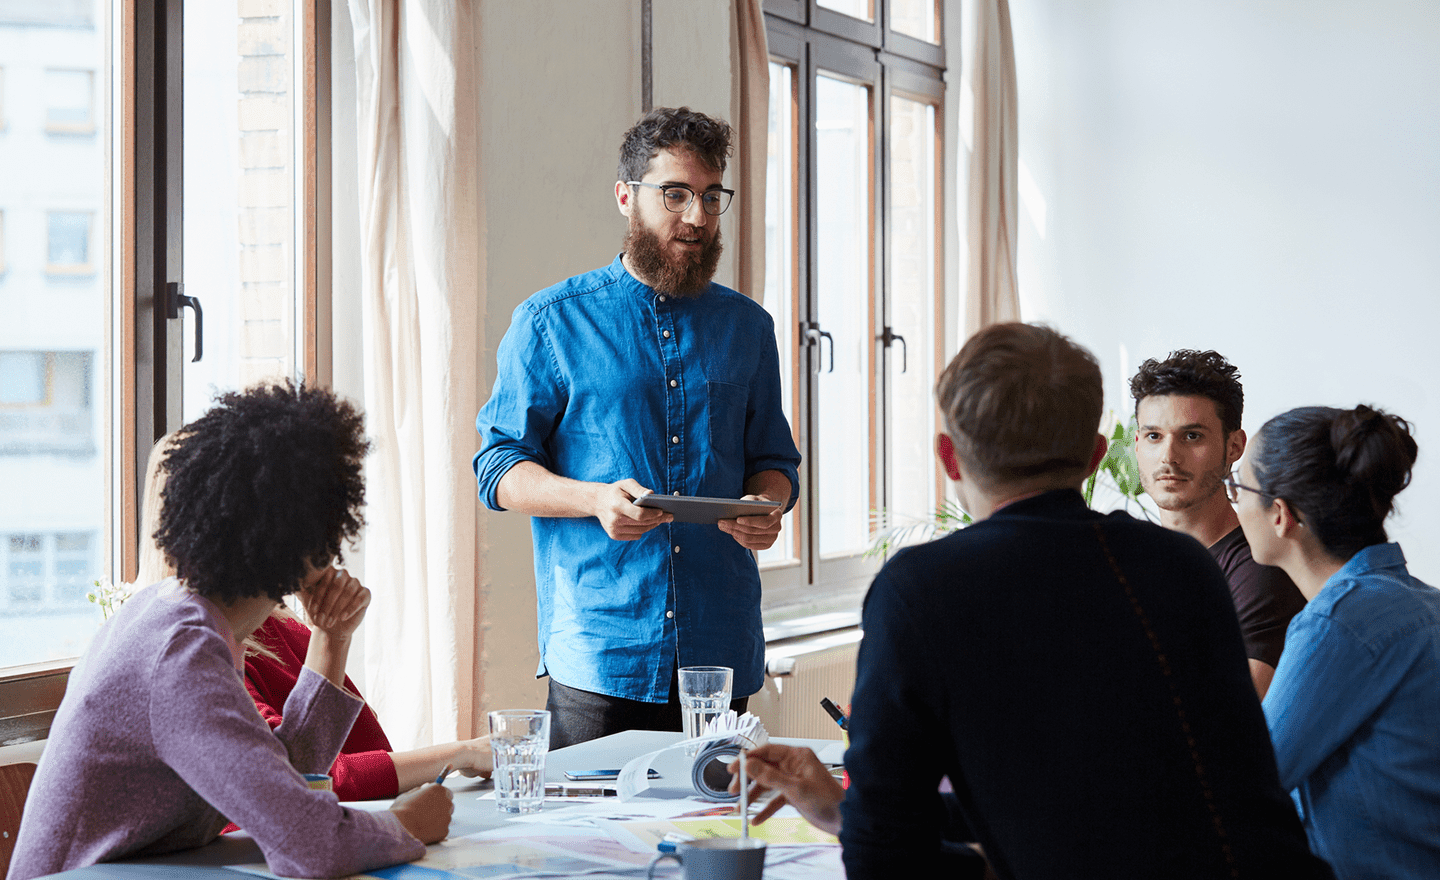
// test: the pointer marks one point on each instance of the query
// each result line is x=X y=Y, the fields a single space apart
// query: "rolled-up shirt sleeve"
x=524 y=406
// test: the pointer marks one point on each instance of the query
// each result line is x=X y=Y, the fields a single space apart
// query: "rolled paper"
x=710 y=774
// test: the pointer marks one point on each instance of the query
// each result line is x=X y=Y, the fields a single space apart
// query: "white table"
x=471 y=813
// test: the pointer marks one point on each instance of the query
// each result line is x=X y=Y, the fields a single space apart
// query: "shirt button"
x=665 y=333
x=662 y=297
x=677 y=548
x=673 y=383
x=674 y=493
x=674 y=439
x=669 y=615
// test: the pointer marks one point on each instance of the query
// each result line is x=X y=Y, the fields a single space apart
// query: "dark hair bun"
x=1339 y=468
x=1373 y=448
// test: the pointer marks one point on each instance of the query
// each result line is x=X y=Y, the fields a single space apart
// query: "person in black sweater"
x=1080 y=678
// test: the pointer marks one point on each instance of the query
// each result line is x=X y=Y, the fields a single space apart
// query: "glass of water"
x=519 y=741
x=704 y=693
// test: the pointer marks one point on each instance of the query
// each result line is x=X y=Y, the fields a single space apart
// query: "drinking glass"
x=704 y=693
x=519 y=741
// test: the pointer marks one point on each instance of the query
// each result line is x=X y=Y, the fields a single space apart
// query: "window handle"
x=815 y=334
x=176 y=300
x=889 y=338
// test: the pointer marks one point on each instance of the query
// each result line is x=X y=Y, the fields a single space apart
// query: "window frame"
x=819 y=593
x=142 y=252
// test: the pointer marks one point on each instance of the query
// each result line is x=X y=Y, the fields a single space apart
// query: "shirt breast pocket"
x=726 y=466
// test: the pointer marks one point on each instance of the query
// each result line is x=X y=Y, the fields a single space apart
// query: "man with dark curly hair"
x=157 y=745
x=1188 y=410
x=642 y=376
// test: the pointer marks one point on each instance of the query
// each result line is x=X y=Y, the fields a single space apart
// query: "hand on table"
x=475 y=758
x=334 y=602
x=754 y=532
x=620 y=517
x=425 y=812
x=801 y=780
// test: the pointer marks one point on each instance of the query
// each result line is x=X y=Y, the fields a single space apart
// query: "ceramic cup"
x=319 y=781
x=719 y=858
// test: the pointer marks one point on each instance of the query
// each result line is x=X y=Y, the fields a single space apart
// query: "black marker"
x=834 y=712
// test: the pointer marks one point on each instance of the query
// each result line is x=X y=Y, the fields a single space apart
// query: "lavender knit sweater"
x=157 y=744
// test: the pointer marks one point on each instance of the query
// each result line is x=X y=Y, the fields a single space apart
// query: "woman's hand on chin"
x=335 y=603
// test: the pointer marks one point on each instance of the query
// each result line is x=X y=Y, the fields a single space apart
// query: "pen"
x=834 y=712
x=553 y=789
x=440 y=780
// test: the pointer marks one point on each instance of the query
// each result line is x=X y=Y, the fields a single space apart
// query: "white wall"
x=1261 y=178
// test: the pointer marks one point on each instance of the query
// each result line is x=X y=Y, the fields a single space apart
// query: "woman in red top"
x=367 y=768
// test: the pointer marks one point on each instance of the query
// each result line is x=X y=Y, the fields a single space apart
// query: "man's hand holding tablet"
x=707 y=511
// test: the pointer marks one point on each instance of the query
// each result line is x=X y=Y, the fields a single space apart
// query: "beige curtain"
x=750 y=57
x=419 y=225
x=994 y=215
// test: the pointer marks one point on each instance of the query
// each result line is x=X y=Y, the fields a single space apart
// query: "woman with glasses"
x=1354 y=709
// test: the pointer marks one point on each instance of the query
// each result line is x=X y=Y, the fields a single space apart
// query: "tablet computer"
x=692 y=509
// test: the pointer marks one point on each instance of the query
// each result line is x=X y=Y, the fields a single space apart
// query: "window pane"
x=912 y=309
x=22 y=378
x=844 y=393
x=863 y=9
x=70 y=101
x=780 y=246
x=69 y=241
x=914 y=18
x=240 y=172
x=54 y=375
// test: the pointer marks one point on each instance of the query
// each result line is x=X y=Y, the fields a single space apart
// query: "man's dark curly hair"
x=705 y=136
x=1194 y=373
x=262 y=484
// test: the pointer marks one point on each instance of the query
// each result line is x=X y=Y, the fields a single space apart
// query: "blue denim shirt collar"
x=1373 y=558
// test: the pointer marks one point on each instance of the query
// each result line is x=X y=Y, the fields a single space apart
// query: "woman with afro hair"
x=367 y=768
x=157 y=744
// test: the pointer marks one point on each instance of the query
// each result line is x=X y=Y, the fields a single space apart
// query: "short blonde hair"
x=1022 y=404
x=154 y=567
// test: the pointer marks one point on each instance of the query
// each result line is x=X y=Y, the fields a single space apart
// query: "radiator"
x=798 y=672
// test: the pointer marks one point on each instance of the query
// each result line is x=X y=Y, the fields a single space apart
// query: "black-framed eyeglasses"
x=677 y=197
x=1233 y=487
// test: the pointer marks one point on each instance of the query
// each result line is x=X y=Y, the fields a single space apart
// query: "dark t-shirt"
x=1265 y=597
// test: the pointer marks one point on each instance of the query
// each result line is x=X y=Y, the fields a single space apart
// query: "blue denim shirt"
x=1354 y=714
x=600 y=378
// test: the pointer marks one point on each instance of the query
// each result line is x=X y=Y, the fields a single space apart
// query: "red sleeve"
x=364 y=770
x=365 y=776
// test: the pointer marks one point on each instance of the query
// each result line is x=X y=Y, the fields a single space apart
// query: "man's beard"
x=1204 y=485
x=687 y=275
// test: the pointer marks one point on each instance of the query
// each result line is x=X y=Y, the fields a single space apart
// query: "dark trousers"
x=578 y=716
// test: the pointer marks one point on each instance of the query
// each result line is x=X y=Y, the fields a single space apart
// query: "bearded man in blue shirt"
x=642 y=376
